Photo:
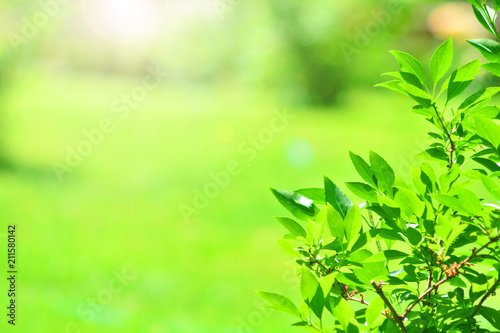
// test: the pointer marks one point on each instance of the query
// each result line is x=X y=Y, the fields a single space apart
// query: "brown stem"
x=488 y=294
x=475 y=252
x=397 y=318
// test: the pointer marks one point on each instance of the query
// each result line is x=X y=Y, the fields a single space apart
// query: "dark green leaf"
x=311 y=291
x=300 y=206
x=490 y=49
x=383 y=173
x=362 y=168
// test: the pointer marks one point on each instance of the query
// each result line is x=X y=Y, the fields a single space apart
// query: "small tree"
x=413 y=257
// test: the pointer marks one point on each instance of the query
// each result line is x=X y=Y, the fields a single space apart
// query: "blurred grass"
x=119 y=208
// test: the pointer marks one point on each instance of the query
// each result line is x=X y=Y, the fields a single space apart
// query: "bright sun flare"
x=124 y=20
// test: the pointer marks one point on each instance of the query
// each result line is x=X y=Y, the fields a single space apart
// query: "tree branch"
x=488 y=294
x=397 y=318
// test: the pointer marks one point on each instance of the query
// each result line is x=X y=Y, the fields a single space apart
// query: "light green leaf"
x=417 y=94
x=288 y=247
x=488 y=130
x=363 y=168
x=316 y=194
x=409 y=202
x=336 y=198
x=450 y=202
x=392 y=85
x=334 y=221
x=374 y=312
x=491 y=186
x=409 y=64
x=383 y=173
x=386 y=256
x=280 y=303
x=469 y=201
x=343 y=311
x=311 y=291
x=326 y=283
x=461 y=78
x=352 y=223
x=362 y=190
x=492 y=67
x=441 y=60
x=292 y=226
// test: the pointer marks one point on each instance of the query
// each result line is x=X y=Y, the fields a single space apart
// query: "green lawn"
x=119 y=209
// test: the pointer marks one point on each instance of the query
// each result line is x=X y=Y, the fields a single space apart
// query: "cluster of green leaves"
x=409 y=256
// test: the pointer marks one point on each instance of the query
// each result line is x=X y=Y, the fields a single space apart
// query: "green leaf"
x=409 y=202
x=288 y=247
x=488 y=130
x=334 y=221
x=326 y=283
x=476 y=3
x=343 y=311
x=441 y=60
x=491 y=315
x=450 y=202
x=479 y=97
x=491 y=186
x=488 y=164
x=374 y=312
x=392 y=85
x=496 y=5
x=300 y=206
x=336 y=198
x=492 y=67
x=363 y=169
x=292 y=226
x=469 y=201
x=483 y=16
x=311 y=291
x=461 y=78
x=352 y=223
x=386 y=256
x=280 y=303
x=362 y=190
x=489 y=49
x=409 y=64
x=383 y=173
x=316 y=194
x=417 y=94
x=434 y=154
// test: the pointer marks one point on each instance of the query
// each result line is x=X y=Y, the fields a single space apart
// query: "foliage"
x=411 y=257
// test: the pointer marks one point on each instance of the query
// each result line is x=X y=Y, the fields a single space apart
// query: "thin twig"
x=397 y=318
x=475 y=252
x=488 y=294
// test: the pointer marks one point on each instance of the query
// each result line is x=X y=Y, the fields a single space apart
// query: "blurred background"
x=139 y=139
